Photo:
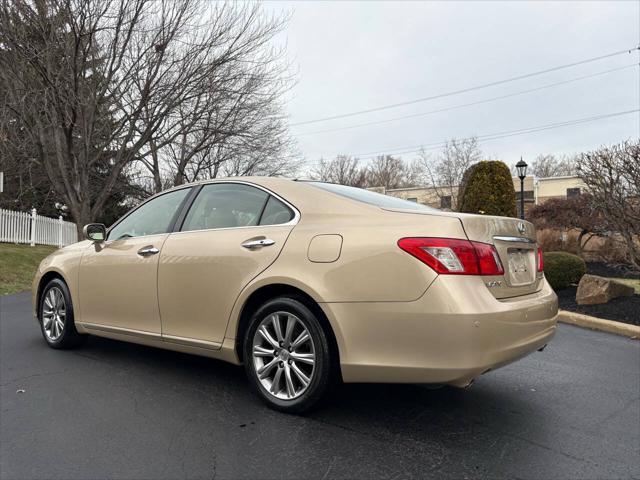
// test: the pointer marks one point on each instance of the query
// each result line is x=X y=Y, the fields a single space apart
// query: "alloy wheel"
x=283 y=355
x=54 y=313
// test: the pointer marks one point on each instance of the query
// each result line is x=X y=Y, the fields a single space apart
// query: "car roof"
x=301 y=194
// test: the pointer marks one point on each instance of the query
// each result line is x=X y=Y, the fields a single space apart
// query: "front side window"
x=151 y=218
x=225 y=205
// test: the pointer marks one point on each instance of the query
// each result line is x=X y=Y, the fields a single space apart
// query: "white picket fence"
x=34 y=229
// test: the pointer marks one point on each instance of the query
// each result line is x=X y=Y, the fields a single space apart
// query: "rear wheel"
x=287 y=356
x=56 y=316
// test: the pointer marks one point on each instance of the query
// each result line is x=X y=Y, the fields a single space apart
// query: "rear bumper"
x=455 y=332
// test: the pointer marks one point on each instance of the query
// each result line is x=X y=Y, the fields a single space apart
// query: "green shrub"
x=563 y=269
x=487 y=188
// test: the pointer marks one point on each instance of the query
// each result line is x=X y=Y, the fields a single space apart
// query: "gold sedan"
x=306 y=283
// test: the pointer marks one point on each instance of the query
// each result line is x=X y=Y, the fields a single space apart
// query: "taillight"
x=488 y=259
x=540 y=260
x=454 y=256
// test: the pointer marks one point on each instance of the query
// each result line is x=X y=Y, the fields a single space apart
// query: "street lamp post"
x=521 y=167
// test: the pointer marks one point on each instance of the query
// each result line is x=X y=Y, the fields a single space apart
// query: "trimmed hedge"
x=563 y=269
x=487 y=188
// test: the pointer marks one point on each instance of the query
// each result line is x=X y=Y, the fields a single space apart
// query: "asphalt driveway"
x=116 y=410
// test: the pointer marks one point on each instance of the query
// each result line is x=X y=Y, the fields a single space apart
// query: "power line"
x=492 y=136
x=479 y=102
x=469 y=89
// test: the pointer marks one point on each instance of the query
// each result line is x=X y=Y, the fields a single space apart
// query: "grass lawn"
x=18 y=264
x=635 y=283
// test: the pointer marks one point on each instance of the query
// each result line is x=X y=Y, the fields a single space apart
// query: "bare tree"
x=612 y=175
x=392 y=172
x=547 y=165
x=445 y=171
x=343 y=169
x=572 y=212
x=118 y=83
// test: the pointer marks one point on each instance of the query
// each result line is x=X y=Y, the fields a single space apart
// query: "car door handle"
x=148 y=250
x=262 y=242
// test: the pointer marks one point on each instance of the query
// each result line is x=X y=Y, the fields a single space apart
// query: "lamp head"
x=521 y=167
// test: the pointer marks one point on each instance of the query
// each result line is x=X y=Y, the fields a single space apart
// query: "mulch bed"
x=616 y=271
x=623 y=309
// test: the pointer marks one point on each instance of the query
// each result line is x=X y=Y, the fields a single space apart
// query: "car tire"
x=56 y=316
x=286 y=391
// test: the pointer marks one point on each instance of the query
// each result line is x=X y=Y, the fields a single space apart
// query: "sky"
x=354 y=56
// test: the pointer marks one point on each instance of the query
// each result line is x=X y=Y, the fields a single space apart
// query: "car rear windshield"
x=372 y=198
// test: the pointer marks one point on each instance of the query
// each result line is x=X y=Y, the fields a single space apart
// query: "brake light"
x=540 y=260
x=488 y=259
x=454 y=256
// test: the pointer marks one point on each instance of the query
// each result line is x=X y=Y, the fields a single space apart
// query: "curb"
x=594 y=323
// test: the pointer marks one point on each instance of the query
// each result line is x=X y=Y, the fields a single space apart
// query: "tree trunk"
x=82 y=216
x=579 y=245
x=182 y=163
x=157 y=180
x=634 y=250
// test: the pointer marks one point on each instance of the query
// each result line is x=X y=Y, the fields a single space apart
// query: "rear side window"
x=372 y=198
x=225 y=205
x=275 y=213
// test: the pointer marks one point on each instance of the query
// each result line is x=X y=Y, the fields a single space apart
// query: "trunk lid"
x=515 y=242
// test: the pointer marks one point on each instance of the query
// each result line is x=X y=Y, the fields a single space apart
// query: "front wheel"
x=287 y=356
x=56 y=316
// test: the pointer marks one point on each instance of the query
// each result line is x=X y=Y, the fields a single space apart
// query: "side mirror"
x=96 y=232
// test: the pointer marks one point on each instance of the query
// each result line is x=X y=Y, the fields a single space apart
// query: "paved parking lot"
x=118 y=410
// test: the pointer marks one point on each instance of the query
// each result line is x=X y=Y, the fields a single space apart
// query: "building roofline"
x=431 y=187
x=564 y=177
x=414 y=188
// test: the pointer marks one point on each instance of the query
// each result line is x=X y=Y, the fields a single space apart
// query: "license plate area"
x=521 y=266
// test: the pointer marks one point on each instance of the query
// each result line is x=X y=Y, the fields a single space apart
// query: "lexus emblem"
x=522 y=227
